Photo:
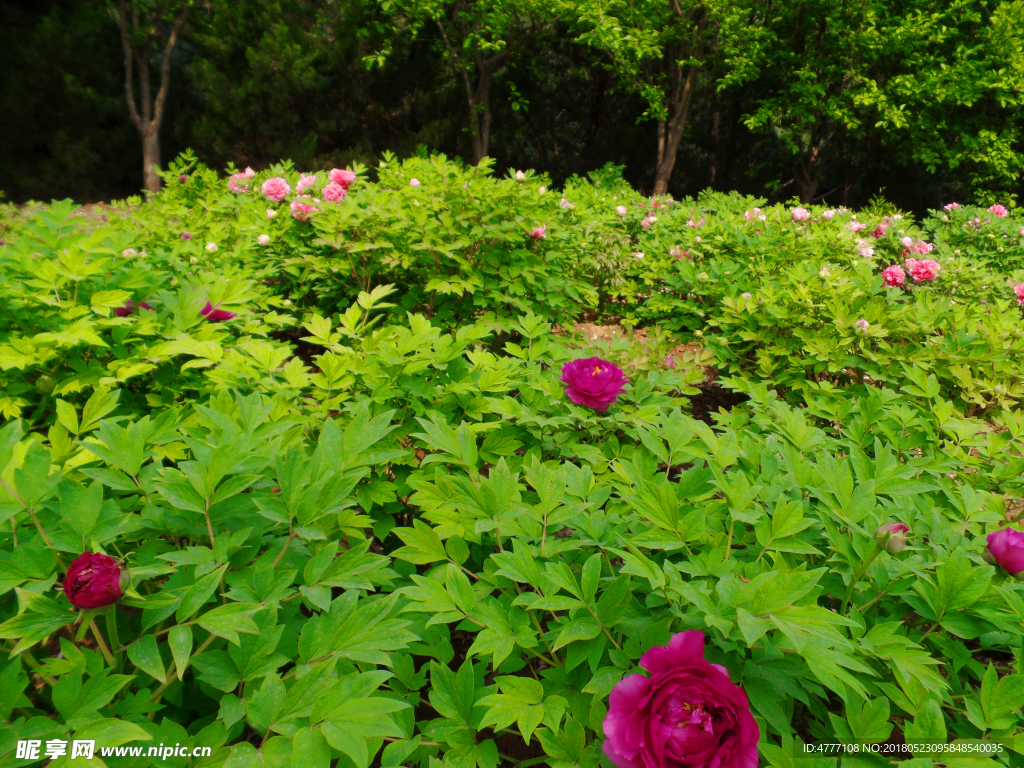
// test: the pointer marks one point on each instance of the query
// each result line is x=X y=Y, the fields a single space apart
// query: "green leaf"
x=228 y=620
x=80 y=506
x=180 y=641
x=197 y=595
x=145 y=655
x=423 y=545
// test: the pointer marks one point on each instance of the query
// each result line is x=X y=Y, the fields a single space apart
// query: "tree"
x=145 y=25
x=658 y=48
x=477 y=37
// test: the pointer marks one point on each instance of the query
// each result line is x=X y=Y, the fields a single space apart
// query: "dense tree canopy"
x=836 y=102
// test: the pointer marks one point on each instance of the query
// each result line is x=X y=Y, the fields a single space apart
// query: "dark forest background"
x=256 y=81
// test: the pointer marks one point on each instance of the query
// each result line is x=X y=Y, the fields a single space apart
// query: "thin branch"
x=165 y=66
x=122 y=23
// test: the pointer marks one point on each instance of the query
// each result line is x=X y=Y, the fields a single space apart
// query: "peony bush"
x=361 y=487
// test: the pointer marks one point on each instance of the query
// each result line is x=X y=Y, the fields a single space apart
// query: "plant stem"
x=879 y=545
x=102 y=644
x=112 y=634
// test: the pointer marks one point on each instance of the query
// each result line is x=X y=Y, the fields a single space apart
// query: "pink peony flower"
x=565 y=204
x=182 y=179
x=638 y=255
x=1018 y=291
x=823 y=272
x=276 y=189
x=894 y=276
x=751 y=215
x=855 y=226
x=621 y=210
x=866 y=251
x=95 y=581
x=1006 y=548
x=894 y=536
x=745 y=295
x=646 y=223
x=237 y=182
x=922 y=270
x=538 y=233
x=687 y=714
x=879 y=231
x=998 y=210
x=334 y=192
x=827 y=215
x=302 y=211
x=263 y=239
x=520 y=175
x=129 y=308
x=801 y=214
x=214 y=315
x=127 y=253
x=414 y=182
x=950 y=206
x=907 y=241
x=593 y=382
x=678 y=253
x=306 y=180
x=186 y=236
x=862 y=325
x=271 y=213
x=345 y=178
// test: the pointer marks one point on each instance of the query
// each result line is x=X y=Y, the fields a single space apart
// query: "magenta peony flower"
x=342 y=177
x=593 y=382
x=182 y=179
x=894 y=276
x=922 y=270
x=186 y=236
x=95 y=581
x=302 y=211
x=687 y=714
x=879 y=231
x=998 y=210
x=894 y=535
x=1018 y=291
x=130 y=308
x=801 y=214
x=334 y=192
x=214 y=315
x=621 y=210
x=276 y=189
x=538 y=233
x=1006 y=547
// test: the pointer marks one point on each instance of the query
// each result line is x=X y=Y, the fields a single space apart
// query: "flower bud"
x=893 y=535
x=95 y=581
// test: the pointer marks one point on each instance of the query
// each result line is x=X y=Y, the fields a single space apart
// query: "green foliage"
x=364 y=523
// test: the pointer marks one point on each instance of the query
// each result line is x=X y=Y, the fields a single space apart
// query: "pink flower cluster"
x=827 y=215
x=880 y=230
x=646 y=223
x=1018 y=291
x=918 y=247
x=238 y=183
x=302 y=211
x=276 y=189
x=894 y=276
x=922 y=270
x=998 y=210
x=801 y=214
x=694 y=224
x=855 y=226
x=755 y=214
x=950 y=206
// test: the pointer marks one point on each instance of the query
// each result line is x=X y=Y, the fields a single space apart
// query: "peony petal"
x=683 y=649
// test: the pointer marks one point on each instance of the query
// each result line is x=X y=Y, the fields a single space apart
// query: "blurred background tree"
x=917 y=100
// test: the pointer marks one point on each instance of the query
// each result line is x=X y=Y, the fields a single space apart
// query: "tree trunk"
x=680 y=100
x=150 y=157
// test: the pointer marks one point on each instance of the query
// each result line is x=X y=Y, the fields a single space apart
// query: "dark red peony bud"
x=95 y=581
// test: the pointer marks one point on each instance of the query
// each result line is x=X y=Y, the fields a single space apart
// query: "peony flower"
x=520 y=175
x=276 y=189
x=801 y=214
x=343 y=178
x=827 y=215
x=894 y=276
x=678 y=253
x=306 y=180
x=1018 y=291
x=593 y=382
x=211 y=247
x=237 y=182
x=1006 y=548
x=263 y=239
x=746 y=295
x=907 y=241
x=129 y=308
x=646 y=223
x=622 y=211
x=855 y=226
x=824 y=272
x=893 y=535
x=687 y=714
x=922 y=270
x=271 y=213
x=129 y=253
x=565 y=204
x=302 y=211
x=950 y=206
x=866 y=251
x=214 y=315
x=879 y=231
x=182 y=179
x=542 y=190
x=414 y=182
x=638 y=255
x=862 y=326
x=334 y=192
x=186 y=236
x=998 y=210
x=538 y=233
x=95 y=581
